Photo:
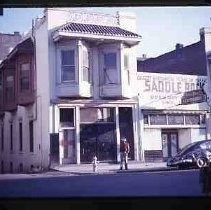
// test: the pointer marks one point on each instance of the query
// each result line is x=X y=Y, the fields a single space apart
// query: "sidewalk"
x=105 y=168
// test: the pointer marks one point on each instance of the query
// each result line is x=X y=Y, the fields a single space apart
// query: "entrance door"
x=99 y=140
x=169 y=143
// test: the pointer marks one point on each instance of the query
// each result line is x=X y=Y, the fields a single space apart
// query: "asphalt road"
x=165 y=183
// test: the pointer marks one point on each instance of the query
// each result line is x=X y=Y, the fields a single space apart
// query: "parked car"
x=197 y=154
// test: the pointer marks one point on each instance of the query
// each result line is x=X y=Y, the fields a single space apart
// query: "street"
x=160 y=183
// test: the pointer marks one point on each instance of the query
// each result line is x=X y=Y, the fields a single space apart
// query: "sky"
x=161 y=28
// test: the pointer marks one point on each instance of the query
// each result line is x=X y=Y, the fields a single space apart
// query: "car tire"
x=201 y=162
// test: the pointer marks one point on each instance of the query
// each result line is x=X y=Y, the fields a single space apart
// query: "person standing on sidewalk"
x=205 y=179
x=124 y=151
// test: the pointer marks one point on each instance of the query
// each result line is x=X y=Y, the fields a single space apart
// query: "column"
x=117 y=133
x=77 y=132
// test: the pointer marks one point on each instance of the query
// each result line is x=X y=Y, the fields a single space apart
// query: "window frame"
x=59 y=51
x=21 y=77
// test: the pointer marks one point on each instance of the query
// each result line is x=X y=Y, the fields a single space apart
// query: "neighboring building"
x=7 y=43
x=17 y=97
x=166 y=125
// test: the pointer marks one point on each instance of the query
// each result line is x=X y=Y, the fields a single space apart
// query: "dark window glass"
x=31 y=136
x=146 y=119
x=20 y=136
x=24 y=76
x=68 y=65
x=110 y=60
x=192 y=119
x=2 y=137
x=66 y=117
x=158 y=119
x=11 y=167
x=9 y=88
x=11 y=137
x=175 y=119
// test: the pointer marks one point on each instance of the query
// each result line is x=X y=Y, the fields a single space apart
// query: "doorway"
x=169 y=143
x=97 y=139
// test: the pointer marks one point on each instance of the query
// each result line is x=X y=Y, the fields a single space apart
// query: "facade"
x=82 y=70
x=165 y=124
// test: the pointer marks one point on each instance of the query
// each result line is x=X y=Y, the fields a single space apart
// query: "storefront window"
x=192 y=119
x=158 y=119
x=175 y=119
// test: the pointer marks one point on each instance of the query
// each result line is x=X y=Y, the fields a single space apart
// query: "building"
x=81 y=93
x=166 y=125
x=73 y=87
x=8 y=42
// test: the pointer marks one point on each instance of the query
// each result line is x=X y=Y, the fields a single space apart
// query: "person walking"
x=124 y=151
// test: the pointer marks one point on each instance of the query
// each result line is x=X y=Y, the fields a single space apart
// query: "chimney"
x=16 y=33
x=178 y=46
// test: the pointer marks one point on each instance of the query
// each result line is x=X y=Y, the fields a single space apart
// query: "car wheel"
x=181 y=167
x=201 y=162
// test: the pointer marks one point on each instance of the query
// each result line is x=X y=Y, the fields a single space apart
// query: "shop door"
x=169 y=143
x=99 y=140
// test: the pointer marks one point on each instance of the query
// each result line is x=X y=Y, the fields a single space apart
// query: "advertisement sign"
x=165 y=90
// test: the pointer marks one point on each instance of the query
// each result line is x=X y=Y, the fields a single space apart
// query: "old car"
x=197 y=154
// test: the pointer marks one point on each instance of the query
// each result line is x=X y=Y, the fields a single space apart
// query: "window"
x=146 y=121
x=20 y=137
x=96 y=115
x=11 y=137
x=86 y=69
x=67 y=65
x=2 y=138
x=24 y=76
x=175 y=119
x=31 y=136
x=126 y=68
x=158 y=119
x=66 y=117
x=1 y=85
x=9 y=90
x=21 y=167
x=110 y=67
x=192 y=119
x=11 y=167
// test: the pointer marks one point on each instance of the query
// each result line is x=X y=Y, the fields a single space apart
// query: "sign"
x=194 y=96
x=161 y=91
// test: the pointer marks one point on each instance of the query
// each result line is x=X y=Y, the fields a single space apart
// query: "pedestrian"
x=205 y=179
x=124 y=151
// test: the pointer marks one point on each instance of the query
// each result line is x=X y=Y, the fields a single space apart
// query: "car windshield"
x=184 y=149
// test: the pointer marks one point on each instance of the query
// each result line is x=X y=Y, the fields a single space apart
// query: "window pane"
x=68 y=73
x=175 y=119
x=158 y=120
x=126 y=62
x=68 y=57
x=110 y=60
x=24 y=83
x=146 y=119
x=66 y=117
x=25 y=67
x=192 y=119
x=85 y=59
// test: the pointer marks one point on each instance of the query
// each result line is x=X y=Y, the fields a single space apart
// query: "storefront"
x=88 y=130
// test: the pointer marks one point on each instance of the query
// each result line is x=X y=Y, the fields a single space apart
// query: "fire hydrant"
x=94 y=163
